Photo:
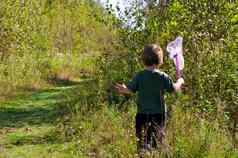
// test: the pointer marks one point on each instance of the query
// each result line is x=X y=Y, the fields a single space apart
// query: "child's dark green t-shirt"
x=151 y=86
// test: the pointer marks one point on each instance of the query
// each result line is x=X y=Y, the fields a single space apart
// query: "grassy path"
x=27 y=125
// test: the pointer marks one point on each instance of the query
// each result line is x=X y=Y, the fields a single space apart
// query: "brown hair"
x=152 y=54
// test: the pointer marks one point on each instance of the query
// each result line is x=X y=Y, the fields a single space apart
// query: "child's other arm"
x=178 y=84
x=130 y=88
x=122 y=88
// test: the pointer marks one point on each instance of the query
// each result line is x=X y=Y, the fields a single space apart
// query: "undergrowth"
x=74 y=121
x=109 y=132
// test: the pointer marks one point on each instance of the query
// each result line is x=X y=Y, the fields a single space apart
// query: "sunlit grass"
x=32 y=125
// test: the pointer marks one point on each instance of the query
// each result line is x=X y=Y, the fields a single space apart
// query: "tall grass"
x=189 y=135
x=103 y=131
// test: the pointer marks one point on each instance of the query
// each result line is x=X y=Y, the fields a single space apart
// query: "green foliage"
x=49 y=39
x=61 y=41
x=108 y=132
x=210 y=36
x=56 y=123
x=209 y=29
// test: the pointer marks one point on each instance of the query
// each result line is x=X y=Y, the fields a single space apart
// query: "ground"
x=27 y=124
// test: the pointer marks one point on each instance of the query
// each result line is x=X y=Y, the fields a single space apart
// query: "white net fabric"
x=175 y=49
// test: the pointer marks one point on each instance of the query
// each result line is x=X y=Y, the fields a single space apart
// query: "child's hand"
x=178 y=84
x=121 y=88
x=180 y=80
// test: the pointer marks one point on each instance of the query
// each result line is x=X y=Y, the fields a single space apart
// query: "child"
x=151 y=84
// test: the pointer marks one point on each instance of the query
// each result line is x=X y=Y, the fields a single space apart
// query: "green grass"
x=66 y=122
x=27 y=123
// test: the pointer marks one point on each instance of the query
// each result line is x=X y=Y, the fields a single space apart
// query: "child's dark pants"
x=149 y=130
